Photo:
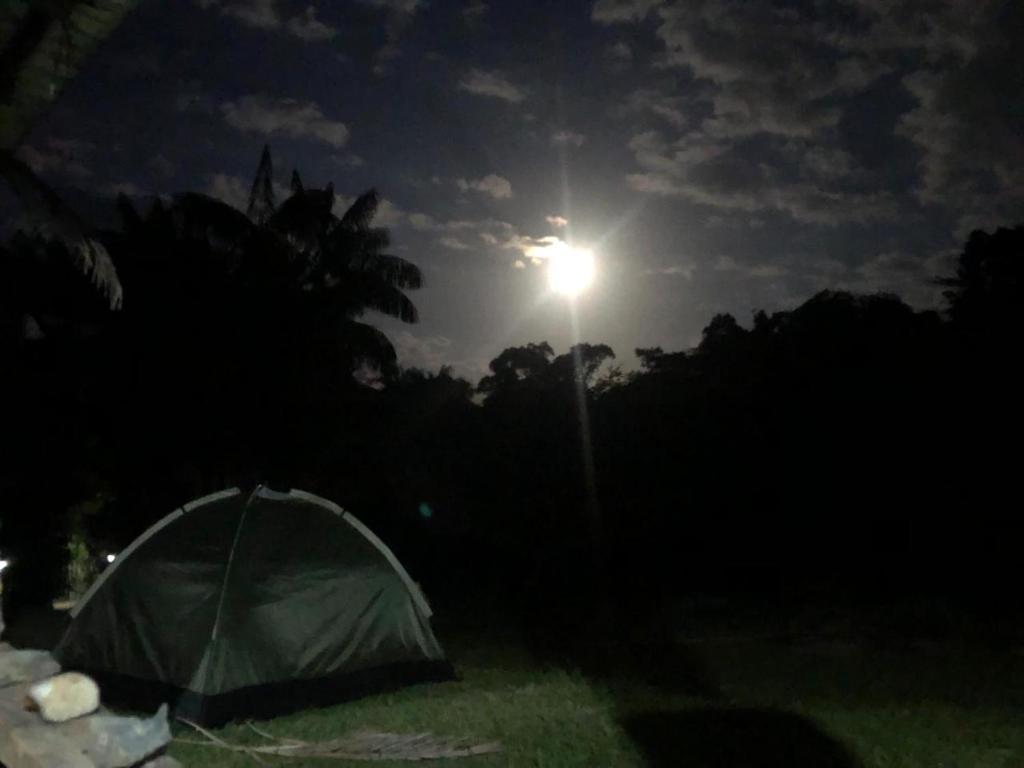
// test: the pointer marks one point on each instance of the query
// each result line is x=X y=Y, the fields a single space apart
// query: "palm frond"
x=130 y=218
x=343 y=244
x=368 y=346
x=392 y=269
x=200 y=215
x=44 y=47
x=373 y=239
x=306 y=214
x=346 y=251
x=92 y=260
x=50 y=216
x=366 y=292
x=361 y=212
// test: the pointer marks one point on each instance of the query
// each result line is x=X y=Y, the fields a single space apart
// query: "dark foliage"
x=851 y=441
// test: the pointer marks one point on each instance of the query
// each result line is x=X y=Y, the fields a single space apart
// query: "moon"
x=570 y=270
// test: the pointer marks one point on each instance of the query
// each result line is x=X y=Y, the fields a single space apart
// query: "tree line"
x=852 y=441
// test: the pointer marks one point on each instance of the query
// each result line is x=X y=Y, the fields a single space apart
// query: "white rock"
x=65 y=696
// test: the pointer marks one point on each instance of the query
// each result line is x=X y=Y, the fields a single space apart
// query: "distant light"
x=3 y=564
x=111 y=558
x=425 y=511
x=570 y=270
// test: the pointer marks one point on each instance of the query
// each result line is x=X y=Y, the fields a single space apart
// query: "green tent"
x=250 y=605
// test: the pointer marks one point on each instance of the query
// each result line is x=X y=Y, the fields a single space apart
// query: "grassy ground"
x=729 y=702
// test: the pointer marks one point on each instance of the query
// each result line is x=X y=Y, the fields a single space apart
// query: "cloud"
x=826 y=163
x=475 y=10
x=129 y=188
x=684 y=271
x=399 y=15
x=266 y=15
x=423 y=222
x=669 y=107
x=748 y=108
x=388 y=214
x=794 y=275
x=766 y=100
x=406 y=7
x=557 y=222
x=761 y=127
x=427 y=352
x=567 y=138
x=766 y=64
x=347 y=160
x=260 y=14
x=612 y=11
x=64 y=157
x=289 y=117
x=490 y=236
x=497 y=187
x=430 y=352
x=308 y=27
x=461 y=234
x=620 y=52
x=493 y=84
x=534 y=250
x=938 y=30
x=910 y=276
x=229 y=189
x=725 y=175
x=766 y=271
x=162 y=165
x=967 y=127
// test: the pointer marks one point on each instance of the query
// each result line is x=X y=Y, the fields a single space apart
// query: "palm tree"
x=234 y=353
x=302 y=272
x=43 y=44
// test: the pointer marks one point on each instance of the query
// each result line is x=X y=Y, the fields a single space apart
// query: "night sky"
x=717 y=155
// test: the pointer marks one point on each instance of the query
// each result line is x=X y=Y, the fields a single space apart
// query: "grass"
x=728 y=702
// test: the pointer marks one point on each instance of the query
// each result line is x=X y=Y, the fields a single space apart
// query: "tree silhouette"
x=42 y=47
x=515 y=365
x=302 y=269
x=231 y=360
x=254 y=328
x=987 y=293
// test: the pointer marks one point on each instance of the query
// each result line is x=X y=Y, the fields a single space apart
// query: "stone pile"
x=49 y=720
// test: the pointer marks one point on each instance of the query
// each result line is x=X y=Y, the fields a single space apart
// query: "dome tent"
x=239 y=605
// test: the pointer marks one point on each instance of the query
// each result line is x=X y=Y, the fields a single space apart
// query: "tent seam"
x=198 y=682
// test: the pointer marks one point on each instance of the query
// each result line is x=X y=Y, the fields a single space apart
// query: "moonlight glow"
x=570 y=270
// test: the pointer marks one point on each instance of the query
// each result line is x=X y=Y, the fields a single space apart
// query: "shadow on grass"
x=666 y=667
x=734 y=738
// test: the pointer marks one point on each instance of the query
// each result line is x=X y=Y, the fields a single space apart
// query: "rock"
x=111 y=741
x=13 y=716
x=65 y=697
x=42 y=746
x=14 y=706
x=26 y=666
